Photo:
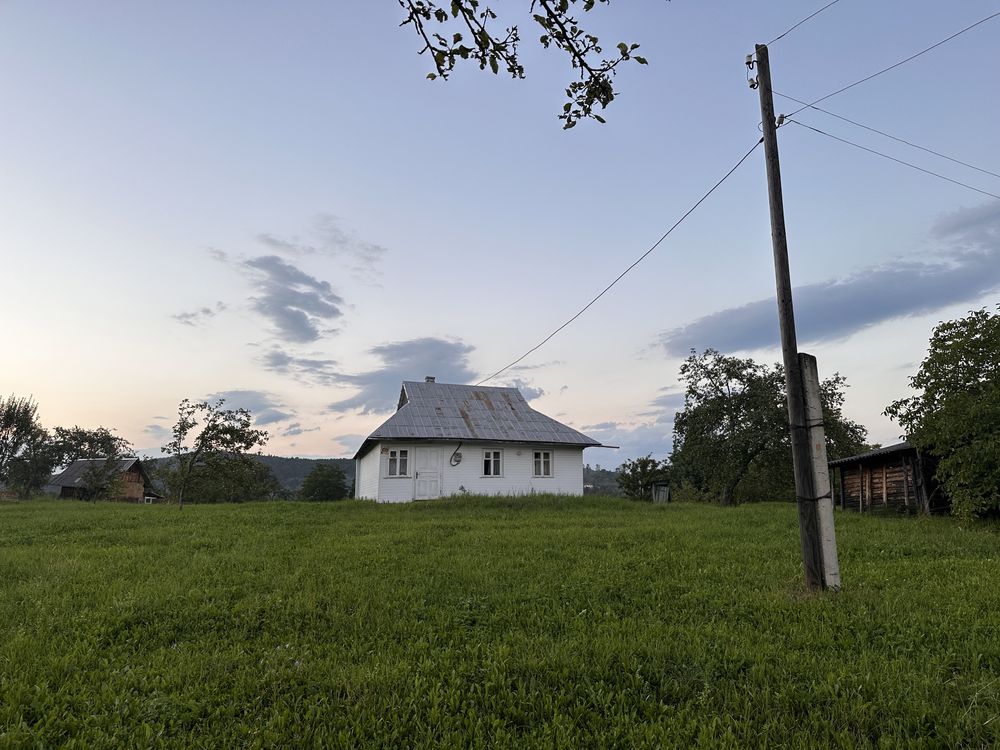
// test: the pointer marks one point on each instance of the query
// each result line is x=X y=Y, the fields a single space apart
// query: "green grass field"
x=528 y=623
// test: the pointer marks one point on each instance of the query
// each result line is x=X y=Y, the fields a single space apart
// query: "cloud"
x=326 y=236
x=265 y=409
x=296 y=428
x=378 y=390
x=539 y=366
x=349 y=443
x=968 y=267
x=633 y=440
x=527 y=390
x=157 y=431
x=654 y=436
x=296 y=303
x=199 y=316
x=665 y=406
x=303 y=369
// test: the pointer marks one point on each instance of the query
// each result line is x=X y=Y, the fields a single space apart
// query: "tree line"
x=212 y=456
x=731 y=440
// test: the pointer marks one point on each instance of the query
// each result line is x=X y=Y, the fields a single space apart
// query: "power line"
x=620 y=276
x=887 y=135
x=811 y=15
x=893 y=158
x=896 y=65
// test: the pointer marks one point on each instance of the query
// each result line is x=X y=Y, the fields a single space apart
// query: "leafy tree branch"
x=590 y=94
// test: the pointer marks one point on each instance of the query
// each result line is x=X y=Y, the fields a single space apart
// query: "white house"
x=449 y=439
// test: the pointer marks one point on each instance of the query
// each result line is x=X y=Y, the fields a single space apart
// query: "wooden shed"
x=894 y=478
x=135 y=487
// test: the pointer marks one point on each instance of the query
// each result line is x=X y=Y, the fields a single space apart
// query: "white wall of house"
x=429 y=472
x=366 y=479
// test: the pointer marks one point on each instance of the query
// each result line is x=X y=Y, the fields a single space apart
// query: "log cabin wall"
x=133 y=487
x=882 y=482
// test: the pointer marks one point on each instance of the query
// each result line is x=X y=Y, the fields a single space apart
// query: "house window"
x=492 y=465
x=543 y=463
x=399 y=463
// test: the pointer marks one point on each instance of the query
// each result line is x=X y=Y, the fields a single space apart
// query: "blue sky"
x=272 y=202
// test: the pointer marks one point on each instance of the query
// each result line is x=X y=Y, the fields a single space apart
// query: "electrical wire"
x=896 y=65
x=620 y=276
x=893 y=158
x=788 y=31
x=887 y=135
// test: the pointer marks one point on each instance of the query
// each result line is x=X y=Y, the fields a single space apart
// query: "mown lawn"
x=530 y=623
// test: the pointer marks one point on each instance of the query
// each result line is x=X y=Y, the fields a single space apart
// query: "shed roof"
x=446 y=411
x=72 y=475
x=883 y=451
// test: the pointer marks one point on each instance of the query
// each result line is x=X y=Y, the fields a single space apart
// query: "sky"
x=270 y=203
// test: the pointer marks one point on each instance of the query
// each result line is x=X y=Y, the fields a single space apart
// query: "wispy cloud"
x=378 y=389
x=653 y=435
x=199 y=316
x=327 y=236
x=304 y=369
x=633 y=440
x=529 y=391
x=265 y=408
x=967 y=267
x=157 y=431
x=539 y=366
x=296 y=428
x=296 y=303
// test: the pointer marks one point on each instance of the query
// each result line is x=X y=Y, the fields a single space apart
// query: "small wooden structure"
x=661 y=492
x=894 y=478
x=136 y=485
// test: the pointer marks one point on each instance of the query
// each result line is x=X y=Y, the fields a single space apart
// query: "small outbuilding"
x=897 y=477
x=447 y=439
x=72 y=482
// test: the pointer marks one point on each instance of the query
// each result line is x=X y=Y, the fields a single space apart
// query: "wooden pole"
x=820 y=470
x=805 y=492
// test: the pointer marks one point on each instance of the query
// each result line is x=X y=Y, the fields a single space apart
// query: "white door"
x=428 y=474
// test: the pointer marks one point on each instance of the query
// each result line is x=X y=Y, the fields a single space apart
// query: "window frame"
x=397 y=456
x=542 y=457
x=495 y=457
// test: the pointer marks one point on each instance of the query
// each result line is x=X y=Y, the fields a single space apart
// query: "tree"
x=18 y=421
x=732 y=433
x=324 y=482
x=234 y=479
x=102 y=479
x=461 y=31
x=956 y=414
x=30 y=470
x=636 y=478
x=205 y=437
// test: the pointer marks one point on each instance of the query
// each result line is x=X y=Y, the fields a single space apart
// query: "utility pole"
x=813 y=526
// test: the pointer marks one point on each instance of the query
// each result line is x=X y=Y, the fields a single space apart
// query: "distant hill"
x=291 y=472
x=598 y=481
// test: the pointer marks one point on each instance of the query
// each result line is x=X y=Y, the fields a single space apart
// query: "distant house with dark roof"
x=897 y=477
x=72 y=482
x=447 y=439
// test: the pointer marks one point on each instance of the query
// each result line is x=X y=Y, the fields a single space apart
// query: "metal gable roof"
x=445 y=411
x=885 y=450
x=73 y=474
